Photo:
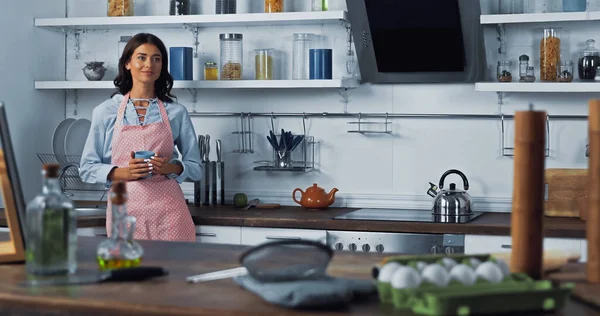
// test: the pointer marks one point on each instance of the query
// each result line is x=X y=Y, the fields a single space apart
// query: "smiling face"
x=145 y=64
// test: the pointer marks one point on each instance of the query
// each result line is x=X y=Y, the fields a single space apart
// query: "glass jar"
x=264 y=63
x=211 y=72
x=565 y=71
x=272 y=6
x=226 y=7
x=510 y=6
x=51 y=229
x=589 y=60
x=503 y=71
x=300 y=60
x=597 y=78
x=523 y=64
x=119 y=250
x=180 y=7
x=549 y=54
x=320 y=5
x=530 y=77
x=120 y=7
x=231 y=56
x=574 y=5
x=535 y=6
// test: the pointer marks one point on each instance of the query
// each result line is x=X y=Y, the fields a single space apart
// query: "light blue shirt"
x=95 y=162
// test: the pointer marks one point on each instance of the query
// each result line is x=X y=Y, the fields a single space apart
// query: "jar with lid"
x=565 y=71
x=523 y=64
x=231 y=56
x=264 y=60
x=530 y=77
x=597 y=78
x=300 y=59
x=180 y=7
x=211 y=72
x=120 y=7
x=503 y=71
x=549 y=54
x=272 y=6
x=588 y=61
x=226 y=7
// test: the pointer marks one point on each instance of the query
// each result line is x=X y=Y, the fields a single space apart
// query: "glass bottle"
x=565 y=71
x=530 y=77
x=120 y=7
x=523 y=64
x=211 y=72
x=503 y=71
x=549 y=54
x=272 y=6
x=51 y=229
x=180 y=7
x=119 y=250
x=589 y=60
x=300 y=60
x=231 y=56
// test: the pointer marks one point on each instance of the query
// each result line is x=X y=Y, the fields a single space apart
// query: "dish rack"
x=302 y=159
x=69 y=175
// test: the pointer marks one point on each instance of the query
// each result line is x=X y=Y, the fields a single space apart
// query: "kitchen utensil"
x=207 y=169
x=315 y=197
x=452 y=202
x=116 y=275
x=287 y=141
x=564 y=187
x=58 y=138
x=94 y=70
x=257 y=204
x=198 y=185
x=252 y=203
x=285 y=260
x=77 y=136
x=213 y=185
x=221 y=171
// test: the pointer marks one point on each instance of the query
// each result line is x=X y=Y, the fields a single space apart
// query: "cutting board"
x=564 y=187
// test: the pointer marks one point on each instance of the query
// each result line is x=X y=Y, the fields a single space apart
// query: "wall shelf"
x=537 y=86
x=204 y=20
x=539 y=17
x=204 y=84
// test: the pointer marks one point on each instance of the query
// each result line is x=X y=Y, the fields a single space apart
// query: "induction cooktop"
x=405 y=215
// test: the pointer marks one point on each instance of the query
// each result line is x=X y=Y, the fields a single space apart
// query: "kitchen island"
x=171 y=295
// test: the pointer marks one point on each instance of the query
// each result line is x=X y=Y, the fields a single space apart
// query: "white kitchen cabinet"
x=257 y=235
x=92 y=231
x=218 y=234
x=475 y=244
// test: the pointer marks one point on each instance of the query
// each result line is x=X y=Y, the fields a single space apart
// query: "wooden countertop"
x=297 y=217
x=172 y=296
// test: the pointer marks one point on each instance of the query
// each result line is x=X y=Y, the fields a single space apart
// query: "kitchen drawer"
x=475 y=244
x=257 y=235
x=219 y=234
x=92 y=231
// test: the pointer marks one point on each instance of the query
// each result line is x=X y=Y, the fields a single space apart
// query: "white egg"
x=474 y=262
x=448 y=263
x=503 y=266
x=405 y=277
x=436 y=274
x=386 y=272
x=489 y=271
x=463 y=274
x=421 y=265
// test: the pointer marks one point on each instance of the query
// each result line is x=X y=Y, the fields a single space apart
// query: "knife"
x=198 y=184
x=221 y=171
x=117 y=275
x=207 y=169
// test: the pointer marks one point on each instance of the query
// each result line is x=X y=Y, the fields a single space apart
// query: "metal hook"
x=273 y=122
x=304 y=124
x=547 y=135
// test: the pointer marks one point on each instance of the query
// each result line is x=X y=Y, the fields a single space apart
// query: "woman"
x=142 y=115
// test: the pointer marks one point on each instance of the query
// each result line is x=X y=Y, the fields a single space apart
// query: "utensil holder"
x=283 y=159
x=301 y=159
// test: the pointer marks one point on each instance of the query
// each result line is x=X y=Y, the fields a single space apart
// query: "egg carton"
x=440 y=285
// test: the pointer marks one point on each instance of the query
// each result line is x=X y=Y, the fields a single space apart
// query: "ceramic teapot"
x=452 y=201
x=315 y=197
x=94 y=70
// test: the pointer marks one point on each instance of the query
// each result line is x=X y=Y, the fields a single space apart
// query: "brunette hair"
x=164 y=83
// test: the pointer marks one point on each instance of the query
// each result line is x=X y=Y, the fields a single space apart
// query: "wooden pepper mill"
x=527 y=219
x=593 y=216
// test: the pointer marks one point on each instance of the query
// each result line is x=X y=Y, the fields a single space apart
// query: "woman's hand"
x=163 y=166
x=138 y=168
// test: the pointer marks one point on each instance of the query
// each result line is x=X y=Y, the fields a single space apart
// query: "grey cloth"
x=306 y=294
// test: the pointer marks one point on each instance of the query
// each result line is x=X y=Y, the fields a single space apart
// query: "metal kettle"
x=452 y=202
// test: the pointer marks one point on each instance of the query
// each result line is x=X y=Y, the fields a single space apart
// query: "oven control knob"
x=434 y=249
x=366 y=247
x=379 y=248
x=352 y=247
x=449 y=250
x=339 y=246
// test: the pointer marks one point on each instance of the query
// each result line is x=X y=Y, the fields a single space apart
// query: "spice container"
x=226 y=7
x=549 y=54
x=180 y=7
x=523 y=64
x=300 y=60
x=530 y=77
x=263 y=64
x=597 y=78
x=589 y=60
x=120 y=7
x=272 y=6
x=503 y=71
x=211 y=72
x=231 y=56
x=320 y=5
x=565 y=71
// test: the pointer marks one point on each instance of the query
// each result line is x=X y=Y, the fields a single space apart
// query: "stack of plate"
x=70 y=136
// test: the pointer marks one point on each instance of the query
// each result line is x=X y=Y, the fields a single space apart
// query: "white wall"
x=29 y=53
x=369 y=170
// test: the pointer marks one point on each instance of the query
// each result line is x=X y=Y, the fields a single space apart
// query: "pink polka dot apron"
x=157 y=203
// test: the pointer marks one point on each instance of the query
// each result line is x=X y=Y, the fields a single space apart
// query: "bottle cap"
x=51 y=170
x=119 y=193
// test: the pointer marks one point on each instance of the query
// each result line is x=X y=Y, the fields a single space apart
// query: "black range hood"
x=418 y=41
